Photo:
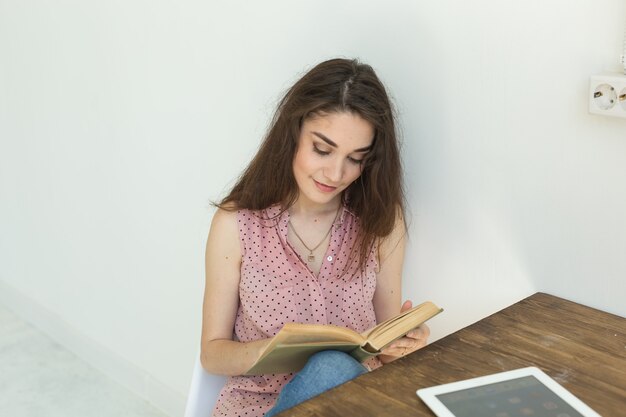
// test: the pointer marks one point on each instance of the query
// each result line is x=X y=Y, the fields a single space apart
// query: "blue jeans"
x=323 y=371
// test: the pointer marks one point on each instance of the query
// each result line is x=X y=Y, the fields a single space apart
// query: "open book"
x=290 y=349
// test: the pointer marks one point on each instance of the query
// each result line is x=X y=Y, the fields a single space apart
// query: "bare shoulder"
x=224 y=233
x=224 y=218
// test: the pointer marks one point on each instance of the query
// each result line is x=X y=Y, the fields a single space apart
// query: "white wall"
x=120 y=121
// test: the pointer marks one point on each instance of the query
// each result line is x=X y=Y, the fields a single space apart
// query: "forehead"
x=346 y=129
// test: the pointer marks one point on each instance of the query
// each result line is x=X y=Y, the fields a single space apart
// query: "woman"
x=312 y=232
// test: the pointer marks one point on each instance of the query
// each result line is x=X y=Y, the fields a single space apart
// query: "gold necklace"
x=311 y=257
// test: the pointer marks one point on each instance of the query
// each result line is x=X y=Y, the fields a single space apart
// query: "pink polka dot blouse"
x=277 y=287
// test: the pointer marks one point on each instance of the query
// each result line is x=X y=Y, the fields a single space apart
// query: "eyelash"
x=324 y=153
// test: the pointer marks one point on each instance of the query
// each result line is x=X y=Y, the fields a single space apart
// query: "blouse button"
x=329 y=258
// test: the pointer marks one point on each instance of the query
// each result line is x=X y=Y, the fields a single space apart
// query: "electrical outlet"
x=607 y=95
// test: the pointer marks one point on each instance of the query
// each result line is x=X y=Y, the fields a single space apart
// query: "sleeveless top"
x=277 y=287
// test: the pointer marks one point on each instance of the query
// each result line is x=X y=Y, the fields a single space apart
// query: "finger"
x=405 y=349
x=414 y=340
x=425 y=330
x=407 y=305
x=397 y=347
x=411 y=343
x=402 y=344
x=421 y=332
x=396 y=352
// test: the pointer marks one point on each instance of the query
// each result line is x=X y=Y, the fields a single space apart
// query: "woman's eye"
x=319 y=151
x=324 y=153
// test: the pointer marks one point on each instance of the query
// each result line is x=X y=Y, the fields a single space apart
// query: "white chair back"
x=203 y=392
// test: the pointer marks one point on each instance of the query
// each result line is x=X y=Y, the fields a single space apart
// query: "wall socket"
x=607 y=95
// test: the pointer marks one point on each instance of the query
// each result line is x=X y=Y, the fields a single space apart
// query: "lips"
x=324 y=188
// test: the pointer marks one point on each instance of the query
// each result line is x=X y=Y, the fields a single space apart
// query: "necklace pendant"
x=311 y=258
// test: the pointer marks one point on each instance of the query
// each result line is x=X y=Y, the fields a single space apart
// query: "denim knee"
x=323 y=371
x=334 y=365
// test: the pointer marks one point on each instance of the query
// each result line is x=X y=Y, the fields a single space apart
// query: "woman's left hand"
x=414 y=340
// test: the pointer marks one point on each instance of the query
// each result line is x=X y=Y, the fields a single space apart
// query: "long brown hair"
x=337 y=85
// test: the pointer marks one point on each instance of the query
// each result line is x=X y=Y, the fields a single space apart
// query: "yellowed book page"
x=292 y=358
x=396 y=327
x=316 y=336
x=296 y=333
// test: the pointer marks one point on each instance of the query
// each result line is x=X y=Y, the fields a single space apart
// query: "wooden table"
x=582 y=348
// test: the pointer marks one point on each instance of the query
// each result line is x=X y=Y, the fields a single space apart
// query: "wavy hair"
x=337 y=85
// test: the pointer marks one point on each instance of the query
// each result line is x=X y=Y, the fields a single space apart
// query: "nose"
x=334 y=170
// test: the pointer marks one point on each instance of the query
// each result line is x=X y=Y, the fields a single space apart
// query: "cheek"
x=353 y=172
x=300 y=166
x=305 y=164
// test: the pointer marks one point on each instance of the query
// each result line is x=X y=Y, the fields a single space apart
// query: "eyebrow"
x=334 y=145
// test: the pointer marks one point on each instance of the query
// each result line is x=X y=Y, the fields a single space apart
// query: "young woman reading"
x=312 y=232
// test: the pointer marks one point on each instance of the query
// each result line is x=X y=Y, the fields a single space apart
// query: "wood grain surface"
x=582 y=348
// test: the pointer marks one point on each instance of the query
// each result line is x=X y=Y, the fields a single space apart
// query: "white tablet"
x=519 y=393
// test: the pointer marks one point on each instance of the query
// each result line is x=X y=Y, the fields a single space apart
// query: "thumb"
x=407 y=305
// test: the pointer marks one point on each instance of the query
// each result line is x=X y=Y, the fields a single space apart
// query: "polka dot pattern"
x=277 y=287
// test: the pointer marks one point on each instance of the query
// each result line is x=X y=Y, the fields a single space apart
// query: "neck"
x=302 y=208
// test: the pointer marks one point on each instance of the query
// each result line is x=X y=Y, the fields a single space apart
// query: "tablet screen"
x=519 y=397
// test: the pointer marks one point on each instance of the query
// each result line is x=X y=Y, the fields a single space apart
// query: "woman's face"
x=331 y=148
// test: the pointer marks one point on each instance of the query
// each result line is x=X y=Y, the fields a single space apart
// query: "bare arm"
x=219 y=353
x=388 y=295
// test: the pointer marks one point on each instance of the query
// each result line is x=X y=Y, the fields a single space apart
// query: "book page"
x=396 y=327
x=298 y=333
x=291 y=358
x=294 y=343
